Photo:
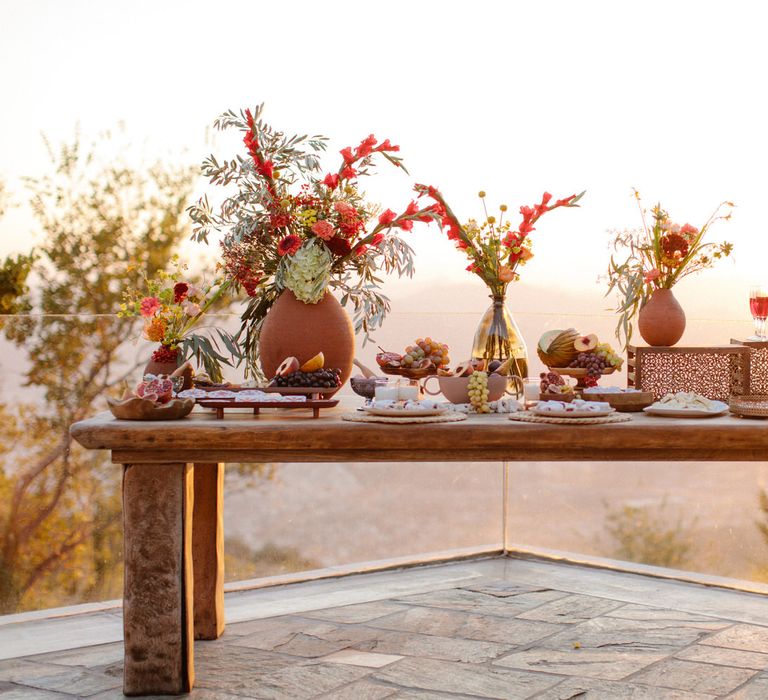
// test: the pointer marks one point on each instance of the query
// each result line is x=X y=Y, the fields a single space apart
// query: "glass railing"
x=60 y=530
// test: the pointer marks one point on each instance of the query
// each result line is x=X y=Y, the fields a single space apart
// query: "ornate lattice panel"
x=715 y=372
x=758 y=365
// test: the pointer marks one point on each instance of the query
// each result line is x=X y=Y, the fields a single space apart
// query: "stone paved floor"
x=496 y=629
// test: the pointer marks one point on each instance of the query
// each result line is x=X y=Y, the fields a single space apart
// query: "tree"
x=647 y=537
x=107 y=224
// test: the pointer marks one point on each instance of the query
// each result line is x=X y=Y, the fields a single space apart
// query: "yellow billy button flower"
x=503 y=207
x=481 y=194
x=491 y=219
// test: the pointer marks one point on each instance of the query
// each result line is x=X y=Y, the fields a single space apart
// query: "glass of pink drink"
x=758 y=305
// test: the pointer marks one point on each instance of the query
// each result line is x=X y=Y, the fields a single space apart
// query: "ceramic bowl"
x=456 y=389
x=135 y=408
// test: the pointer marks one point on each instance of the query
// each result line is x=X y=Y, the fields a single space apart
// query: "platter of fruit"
x=152 y=399
x=578 y=408
x=312 y=378
x=582 y=357
x=423 y=358
x=553 y=387
x=402 y=409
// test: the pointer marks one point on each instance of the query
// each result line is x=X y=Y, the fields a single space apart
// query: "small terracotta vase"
x=292 y=328
x=154 y=367
x=661 y=321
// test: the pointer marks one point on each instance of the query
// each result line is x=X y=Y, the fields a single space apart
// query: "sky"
x=512 y=98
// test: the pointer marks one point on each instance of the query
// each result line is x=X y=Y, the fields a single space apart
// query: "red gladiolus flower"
x=180 y=290
x=405 y=224
x=289 y=245
x=365 y=148
x=453 y=232
x=387 y=217
x=471 y=267
x=377 y=238
x=331 y=181
x=361 y=250
x=386 y=146
x=412 y=209
x=563 y=202
x=347 y=154
x=348 y=173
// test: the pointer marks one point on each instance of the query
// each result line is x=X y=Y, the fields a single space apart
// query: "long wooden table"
x=173 y=476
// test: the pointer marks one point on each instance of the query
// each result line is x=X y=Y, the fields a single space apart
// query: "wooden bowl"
x=567 y=398
x=135 y=408
x=410 y=373
x=630 y=402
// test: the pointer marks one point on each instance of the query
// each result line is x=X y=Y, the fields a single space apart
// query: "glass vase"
x=498 y=338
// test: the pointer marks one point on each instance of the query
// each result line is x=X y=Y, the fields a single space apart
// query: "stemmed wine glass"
x=758 y=305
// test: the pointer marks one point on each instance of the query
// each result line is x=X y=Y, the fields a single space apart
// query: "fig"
x=478 y=365
x=288 y=366
x=464 y=369
x=494 y=365
x=384 y=358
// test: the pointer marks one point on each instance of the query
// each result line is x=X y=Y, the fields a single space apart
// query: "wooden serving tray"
x=221 y=404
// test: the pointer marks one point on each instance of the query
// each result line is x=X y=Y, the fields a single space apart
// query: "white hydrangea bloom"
x=307 y=273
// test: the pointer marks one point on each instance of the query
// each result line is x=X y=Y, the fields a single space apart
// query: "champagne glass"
x=758 y=305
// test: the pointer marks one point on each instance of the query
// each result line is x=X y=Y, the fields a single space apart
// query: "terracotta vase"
x=295 y=329
x=661 y=321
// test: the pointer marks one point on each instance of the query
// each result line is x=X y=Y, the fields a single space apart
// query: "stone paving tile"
x=724 y=657
x=76 y=682
x=306 y=638
x=609 y=633
x=745 y=637
x=481 y=602
x=590 y=663
x=451 y=677
x=433 y=647
x=633 y=611
x=502 y=588
x=26 y=693
x=301 y=681
x=354 y=657
x=756 y=689
x=454 y=623
x=22 y=670
x=572 y=609
x=224 y=667
x=88 y=656
x=688 y=675
x=361 y=690
x=362 y=612
x=586 y=689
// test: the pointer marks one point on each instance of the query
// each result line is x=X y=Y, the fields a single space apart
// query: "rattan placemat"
x=526 y=417
x=368 y=418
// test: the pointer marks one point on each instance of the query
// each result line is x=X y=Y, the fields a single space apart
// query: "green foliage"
x=647 y=536
x=14 y=289
x=107 y=225
x=242 y=562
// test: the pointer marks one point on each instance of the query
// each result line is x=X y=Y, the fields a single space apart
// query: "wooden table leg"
x=208 y=550
x=157 y=598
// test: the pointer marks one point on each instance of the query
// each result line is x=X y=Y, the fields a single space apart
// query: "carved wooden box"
x=715 y=372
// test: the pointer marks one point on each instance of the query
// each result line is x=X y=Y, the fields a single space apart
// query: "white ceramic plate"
x=404 y=413
x=720 y=409
x=571 y=414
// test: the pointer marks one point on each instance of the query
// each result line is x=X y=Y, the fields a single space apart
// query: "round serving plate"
x=626 y=402
x=575 y=415
x=720 y=409
x=403 y=412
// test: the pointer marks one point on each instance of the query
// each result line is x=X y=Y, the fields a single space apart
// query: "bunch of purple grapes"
x=592 y=362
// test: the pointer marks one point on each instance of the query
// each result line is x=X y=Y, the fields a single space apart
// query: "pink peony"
x=149 y=305
x=322 y=229
x=345 y=208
